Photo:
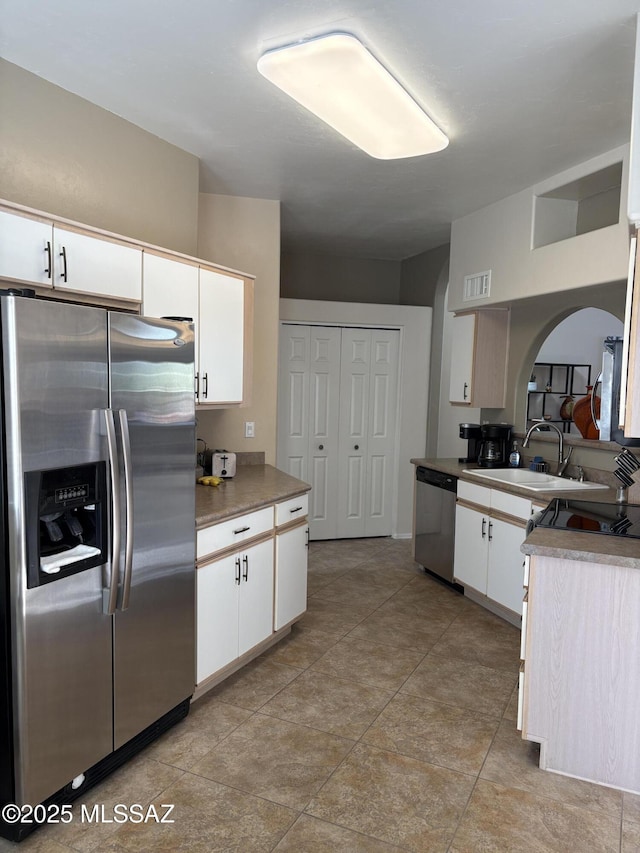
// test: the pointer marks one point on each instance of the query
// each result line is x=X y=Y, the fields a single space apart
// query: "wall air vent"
x=477 y=286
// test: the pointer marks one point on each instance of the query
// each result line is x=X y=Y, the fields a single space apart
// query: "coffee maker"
x=495 y=445
x=471 y=432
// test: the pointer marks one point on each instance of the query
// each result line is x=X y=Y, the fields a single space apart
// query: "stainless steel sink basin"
x=536 y=482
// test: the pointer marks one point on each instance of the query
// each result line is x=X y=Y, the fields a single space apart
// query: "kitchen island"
x=580 y=680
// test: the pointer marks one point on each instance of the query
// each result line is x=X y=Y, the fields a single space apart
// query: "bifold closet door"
x=366 y=452
x=308 y=401
x=337 y=400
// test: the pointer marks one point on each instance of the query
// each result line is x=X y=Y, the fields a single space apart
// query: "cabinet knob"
x=321 y=447
x=356 y=447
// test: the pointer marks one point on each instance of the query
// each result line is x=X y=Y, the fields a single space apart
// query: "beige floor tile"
x=465 y=685
x=394 y=799
x=209 y=721
x=369 y=663
x=255 y=684
x=384 y=574
x=140 y=781
x=209 y=818
x=334 y=617
x=333 y=705
x=348 y=591
x=40 y=841
x=433 y=732
x=427 y=596
x=513 y=763
x=310 y=835
x=630 y=837
x=502 y=819
x=301 y=647
x=406 y=631
x=281 y=761
x=487 y=641
x=631 y=806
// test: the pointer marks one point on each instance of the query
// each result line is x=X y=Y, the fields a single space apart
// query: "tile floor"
x=385 y=722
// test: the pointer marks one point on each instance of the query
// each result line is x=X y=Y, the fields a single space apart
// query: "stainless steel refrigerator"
x=97 y=533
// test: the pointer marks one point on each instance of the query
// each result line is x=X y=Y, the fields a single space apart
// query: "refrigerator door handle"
x=128 y=491
x=110 y=595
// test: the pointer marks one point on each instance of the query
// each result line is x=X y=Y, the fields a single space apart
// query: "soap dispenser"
x=514 y=456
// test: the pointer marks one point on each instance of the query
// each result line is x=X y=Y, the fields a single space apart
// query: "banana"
x=209 y=481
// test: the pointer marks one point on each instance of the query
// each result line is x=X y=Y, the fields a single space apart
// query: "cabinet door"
x=290 y=575
x=471 y=548
x=354 y=413
x=221 y=338
x=256 y=596
x=169 y=288
x=90 y=265
x=217 y=615
x=505 y=578
x=462 y=342
x=26 y=247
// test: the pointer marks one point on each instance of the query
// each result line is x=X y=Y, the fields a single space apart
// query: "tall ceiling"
x=523 y=90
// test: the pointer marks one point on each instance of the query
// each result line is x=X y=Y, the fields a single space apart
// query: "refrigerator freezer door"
x=152 y=381
x=55 y=392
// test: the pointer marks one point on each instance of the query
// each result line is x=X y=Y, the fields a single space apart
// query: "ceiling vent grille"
x=477 y=286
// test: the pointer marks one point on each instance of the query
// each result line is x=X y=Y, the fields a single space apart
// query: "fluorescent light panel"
x=336 y=78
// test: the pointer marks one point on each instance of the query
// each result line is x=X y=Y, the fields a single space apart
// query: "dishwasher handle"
x=437 y=478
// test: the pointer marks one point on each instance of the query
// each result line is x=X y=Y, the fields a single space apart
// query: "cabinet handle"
x=490 y=529
x=464 y=391
x=238 y=570
x=306 y=544
x=296 y=509
x=484 y=527
x=63 y=255
x=48 y=267
x=205 y=392
x=197 y=385
x=241 y=530
x=245 y=563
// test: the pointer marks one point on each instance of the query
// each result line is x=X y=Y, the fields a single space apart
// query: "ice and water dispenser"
x=66 y=512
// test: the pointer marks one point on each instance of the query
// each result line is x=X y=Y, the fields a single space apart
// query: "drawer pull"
x=241 y=530
x=238 y=570
x=297 y=509
x=245 y=563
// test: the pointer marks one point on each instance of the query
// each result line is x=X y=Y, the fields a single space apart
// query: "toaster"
x=223 y=464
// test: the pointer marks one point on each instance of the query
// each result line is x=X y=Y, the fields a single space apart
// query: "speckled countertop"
x=563 y=544
x=252 y=487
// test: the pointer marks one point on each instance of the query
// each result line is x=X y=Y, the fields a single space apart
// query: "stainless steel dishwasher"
x=434 y=521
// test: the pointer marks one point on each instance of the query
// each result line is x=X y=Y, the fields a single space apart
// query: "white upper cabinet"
x=221 y=341
x=169 y=288
x=26 y=250
x=479 y=347
x=89 y=265
x=36 y=252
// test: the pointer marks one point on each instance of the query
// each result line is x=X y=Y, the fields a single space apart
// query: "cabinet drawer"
x=476 y=494
x=510 y=504
x=292 y=509
x=234 y=531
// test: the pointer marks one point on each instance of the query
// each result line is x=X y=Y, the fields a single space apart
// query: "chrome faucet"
x=545 y=425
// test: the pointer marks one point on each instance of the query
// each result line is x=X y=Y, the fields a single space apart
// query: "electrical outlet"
x=249 y=429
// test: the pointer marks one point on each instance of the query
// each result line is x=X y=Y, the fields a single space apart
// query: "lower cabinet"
x=488 y=536
x=291 y=575
x=235 y=607
x=251 y=586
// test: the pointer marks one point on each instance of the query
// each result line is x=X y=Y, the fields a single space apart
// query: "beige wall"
x=66 y=156
x=340 y=279
x=498 y=238
x=244 y=234
x=421 y=275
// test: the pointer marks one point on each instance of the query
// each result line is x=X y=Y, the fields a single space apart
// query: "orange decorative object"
x=582 y=417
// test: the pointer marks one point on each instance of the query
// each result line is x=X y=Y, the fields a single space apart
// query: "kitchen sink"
x=533 y=480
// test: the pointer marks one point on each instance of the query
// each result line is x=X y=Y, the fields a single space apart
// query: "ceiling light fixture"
x=335 y=77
